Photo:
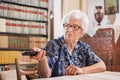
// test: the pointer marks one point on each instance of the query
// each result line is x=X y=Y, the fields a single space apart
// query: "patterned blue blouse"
x=60 y=58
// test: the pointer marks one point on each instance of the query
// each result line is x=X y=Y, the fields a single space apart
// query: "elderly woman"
x=69 y=55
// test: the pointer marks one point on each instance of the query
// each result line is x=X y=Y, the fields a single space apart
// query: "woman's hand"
x=73 y=70
x=40 y=55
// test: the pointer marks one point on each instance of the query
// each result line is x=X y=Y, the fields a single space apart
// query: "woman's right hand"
x=40 y=55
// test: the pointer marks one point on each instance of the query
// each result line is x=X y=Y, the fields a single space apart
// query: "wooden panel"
x=116 y=68
x=104 y=46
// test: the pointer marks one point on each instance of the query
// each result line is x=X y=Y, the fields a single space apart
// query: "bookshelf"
x=24 y=26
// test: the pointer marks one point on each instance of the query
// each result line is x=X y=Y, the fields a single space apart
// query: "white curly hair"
x=77 y=14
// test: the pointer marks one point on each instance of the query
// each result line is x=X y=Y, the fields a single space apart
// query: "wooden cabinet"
x=104 y=45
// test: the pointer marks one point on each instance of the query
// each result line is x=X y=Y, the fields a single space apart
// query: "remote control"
x=33 y=53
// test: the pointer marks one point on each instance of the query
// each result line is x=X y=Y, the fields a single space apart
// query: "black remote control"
x=33 y=53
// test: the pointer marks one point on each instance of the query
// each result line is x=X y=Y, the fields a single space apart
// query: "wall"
x=57 y=18
x=60 y=8
x=89 y=7
x=70 y=5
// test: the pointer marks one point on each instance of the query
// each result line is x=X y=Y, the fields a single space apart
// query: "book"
x=3 y=25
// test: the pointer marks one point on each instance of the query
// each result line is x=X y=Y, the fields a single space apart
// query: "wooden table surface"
x=94 y=76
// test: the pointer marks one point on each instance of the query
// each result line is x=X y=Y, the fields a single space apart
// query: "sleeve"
x=91 y=57
x=53 y=48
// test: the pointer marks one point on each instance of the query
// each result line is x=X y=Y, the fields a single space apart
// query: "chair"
x=26 y=68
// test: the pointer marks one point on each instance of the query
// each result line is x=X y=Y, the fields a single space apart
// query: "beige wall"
x=60 y=8
x=57 y=18
x=68 y=5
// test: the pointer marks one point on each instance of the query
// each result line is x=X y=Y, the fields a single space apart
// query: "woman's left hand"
x=73 y=70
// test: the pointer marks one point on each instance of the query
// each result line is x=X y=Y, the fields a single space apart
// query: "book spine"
x=3 y=23
x=8 y=57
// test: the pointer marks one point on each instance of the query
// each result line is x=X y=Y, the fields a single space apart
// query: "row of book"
x=39 y=42
x=25 y=27
x=22 y=42
x=8 y=57
x=40 y=3
x=23 y=12
x=30 y=13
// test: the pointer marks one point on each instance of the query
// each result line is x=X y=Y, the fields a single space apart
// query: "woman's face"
x=72 y=29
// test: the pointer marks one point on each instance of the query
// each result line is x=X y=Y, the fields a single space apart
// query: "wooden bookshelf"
x=25 y=25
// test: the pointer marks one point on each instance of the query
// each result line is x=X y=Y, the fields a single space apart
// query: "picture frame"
x=111 y=7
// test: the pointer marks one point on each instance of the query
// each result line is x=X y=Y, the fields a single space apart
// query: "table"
x=107 y=75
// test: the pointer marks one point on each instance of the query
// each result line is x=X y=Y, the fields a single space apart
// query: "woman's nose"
x=69 y=29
